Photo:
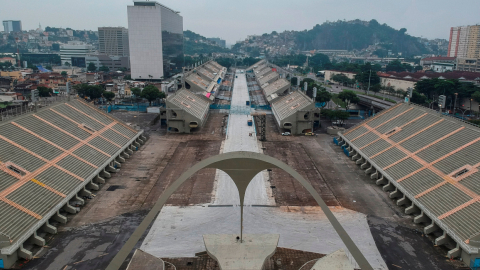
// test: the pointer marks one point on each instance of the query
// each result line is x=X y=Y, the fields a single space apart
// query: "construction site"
x=77 y=181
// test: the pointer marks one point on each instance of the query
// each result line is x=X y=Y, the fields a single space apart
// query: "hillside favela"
x=221 y=135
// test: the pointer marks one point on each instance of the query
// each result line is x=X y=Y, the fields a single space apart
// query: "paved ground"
x=177 y=232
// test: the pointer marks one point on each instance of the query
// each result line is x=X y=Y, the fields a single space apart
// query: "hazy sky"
x=234 y=20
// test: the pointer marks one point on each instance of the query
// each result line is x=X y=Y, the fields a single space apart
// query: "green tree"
x=104 y=69
x=67 y=64
x=127 y=77
x=376 y=88
x=349 y=97
x=395 y=65
x=476 y=96
x=108 y=95
x=323 y=96
x=418 y=98
x=151 y=93
x=136 y=91
x=44 y=91
x=49 y=67
x=64 y=74
x=367 y=76
x=91 y=67
x=336 y=115
x=91 y=91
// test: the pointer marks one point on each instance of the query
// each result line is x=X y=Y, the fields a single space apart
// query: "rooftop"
x=290 y=104
x=431 y=159
x=47 y=156
x=196 y=105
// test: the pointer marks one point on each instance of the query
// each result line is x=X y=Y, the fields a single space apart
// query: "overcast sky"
x=234 y=20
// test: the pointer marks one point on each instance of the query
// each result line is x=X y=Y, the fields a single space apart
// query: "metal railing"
x=6 y=115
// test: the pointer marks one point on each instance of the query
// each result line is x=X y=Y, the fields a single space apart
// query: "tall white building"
x=74 y=53
x=12 y=26
x=155 y=34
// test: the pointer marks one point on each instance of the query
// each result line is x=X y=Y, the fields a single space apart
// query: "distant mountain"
x=365 y=36
x=197 y=44
x=358 y=35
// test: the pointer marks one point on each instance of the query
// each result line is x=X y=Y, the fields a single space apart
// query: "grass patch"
x=338 y=101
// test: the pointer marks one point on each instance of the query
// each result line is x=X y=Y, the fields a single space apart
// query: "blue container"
x=248 y=102
x=250 y=123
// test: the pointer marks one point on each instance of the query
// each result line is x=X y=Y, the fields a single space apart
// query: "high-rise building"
x=464 y=42
x=220 y=42
x=113 y=41
x=74 y=53
x=155 y=39
x=12 y=26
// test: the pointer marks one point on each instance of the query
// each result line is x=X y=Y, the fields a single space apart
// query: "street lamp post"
x=471 y=106
x=369 y=77
x=455 y=103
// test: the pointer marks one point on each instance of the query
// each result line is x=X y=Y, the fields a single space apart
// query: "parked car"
x=286 y=133
x=309 y=134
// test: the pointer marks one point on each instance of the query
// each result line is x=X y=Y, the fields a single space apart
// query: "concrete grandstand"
x=294 y=112
x=205 y=79
x=429 y=163
x=186 y=111
x=48 y=161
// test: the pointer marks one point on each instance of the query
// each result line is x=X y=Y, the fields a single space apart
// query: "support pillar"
x=24 y=254
x=442 y=240
x=351 y=153
x=105 y=174
x=82 y=201
x=36 y=240
x=395 y=194
x=374 y=175
x=357 y=156
x=69 y=209
x=360 y=161
x=411 y=209
x=129 y=151
x=93 y=186
x=403 y=201
x=422 y=218
x=364 y=165
x=48 y=228
x=140 y=141
x=370 y=170
x=136 y=144
x=143 y=138
x=99 y=180
x=117 y=164
x=388 y=187
x=111 y=169
x=84 y=192
x=431 y=228
x=454 y=253
x=120 y=159
x=60 y=218
x=124 y=154
x=381 y=181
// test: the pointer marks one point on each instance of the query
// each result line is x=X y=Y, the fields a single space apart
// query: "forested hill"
x=197 y=44
x=357 y=34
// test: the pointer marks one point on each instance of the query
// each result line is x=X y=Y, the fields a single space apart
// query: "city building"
x=205 y=79
x=113 y=41
x=220 y=42
x=186 y=111
x=155 y=40
x=468 y=64
x=74 y=53
x=442 y=67
x=114 y=63
x=428 y=61
x=464 y=42
x=294 y=113
x=12 y=26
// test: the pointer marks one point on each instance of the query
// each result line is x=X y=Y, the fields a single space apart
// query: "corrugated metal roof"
x=433 y=154
x=290 y=104
x=37 y=171
x=191 y=103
